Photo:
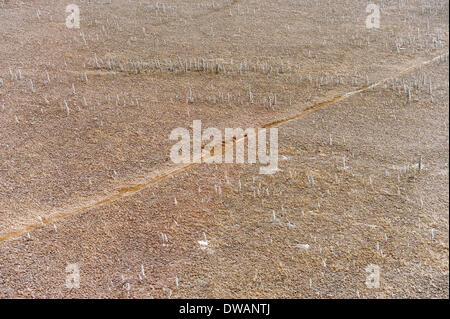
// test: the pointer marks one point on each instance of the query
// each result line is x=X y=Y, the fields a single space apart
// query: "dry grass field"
x=86 y=176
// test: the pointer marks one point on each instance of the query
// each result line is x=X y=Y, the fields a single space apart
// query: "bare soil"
x=84 y=157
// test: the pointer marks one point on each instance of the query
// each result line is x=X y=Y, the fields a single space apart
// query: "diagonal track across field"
x=156 y=177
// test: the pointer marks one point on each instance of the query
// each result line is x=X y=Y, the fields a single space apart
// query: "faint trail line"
x=133 y=189
x=200 y=15
x=349 y=94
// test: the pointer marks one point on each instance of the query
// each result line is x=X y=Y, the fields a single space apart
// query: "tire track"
x=157 y=176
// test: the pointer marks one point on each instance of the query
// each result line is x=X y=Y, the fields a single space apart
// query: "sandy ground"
x=80 y=185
